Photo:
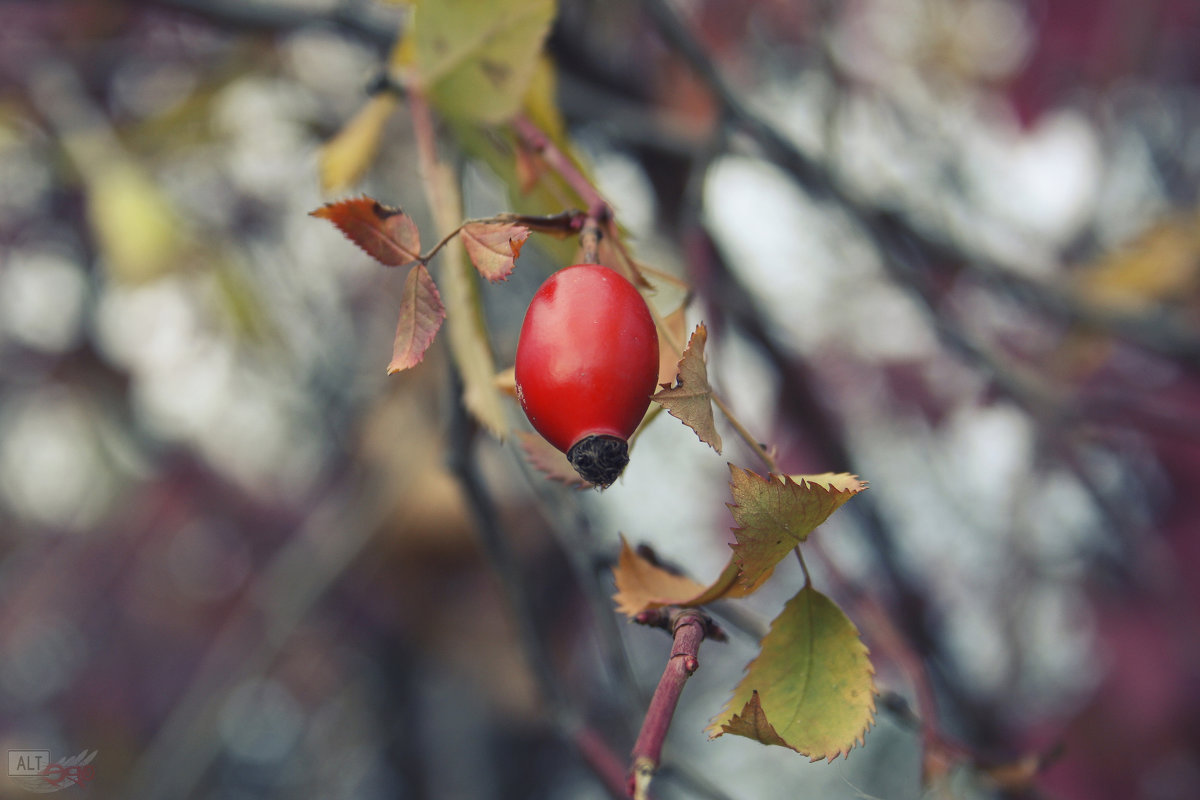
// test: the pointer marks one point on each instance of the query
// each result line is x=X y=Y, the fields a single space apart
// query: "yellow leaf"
x=1160 y=266
x=811 y=687
x=133 y=222
x=345 y=158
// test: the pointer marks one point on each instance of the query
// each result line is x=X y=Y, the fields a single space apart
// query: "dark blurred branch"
x=894 y=232
x=496 y=543
x=249 y=17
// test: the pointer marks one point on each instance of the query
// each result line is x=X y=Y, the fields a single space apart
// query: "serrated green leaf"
x=811 y=687
x=476 y=58
x=776 y=513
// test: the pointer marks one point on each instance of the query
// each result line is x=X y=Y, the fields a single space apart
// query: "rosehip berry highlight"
x=587 y=363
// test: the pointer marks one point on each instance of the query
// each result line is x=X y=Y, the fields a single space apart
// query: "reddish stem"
x=689 y=627
x=538 y=142
x=603 y=762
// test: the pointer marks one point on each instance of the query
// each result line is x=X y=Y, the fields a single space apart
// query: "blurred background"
x=948 y=245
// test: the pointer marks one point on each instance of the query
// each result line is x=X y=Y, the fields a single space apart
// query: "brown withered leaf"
x=689 y=400
x=548 y=460
x=493 y=247
x=676 y=324
x=753 y=724
x=776 y=513
x=386 y=234
x=421 y=315
x=643 y=585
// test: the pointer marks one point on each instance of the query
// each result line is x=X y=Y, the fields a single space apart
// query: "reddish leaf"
x=493 y=247
x=421 y=315
x=386 y=234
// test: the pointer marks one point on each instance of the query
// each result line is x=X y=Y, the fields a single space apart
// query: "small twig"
x=803 y=565
x=589 y=238
x=689 y=627
x=537 y=141
x=433 y=251
x=754 y=444
x=555 y=224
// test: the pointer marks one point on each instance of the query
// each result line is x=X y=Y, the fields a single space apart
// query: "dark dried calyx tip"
x=599 y=459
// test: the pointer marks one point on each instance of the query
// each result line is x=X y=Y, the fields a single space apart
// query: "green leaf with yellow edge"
x=689 y=400
x=345 y=158
x=643 y=585
x=776 y=513
x=811 y=688
x=476 y=58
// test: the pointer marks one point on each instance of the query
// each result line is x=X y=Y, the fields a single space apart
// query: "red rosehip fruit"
x=587 y=363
